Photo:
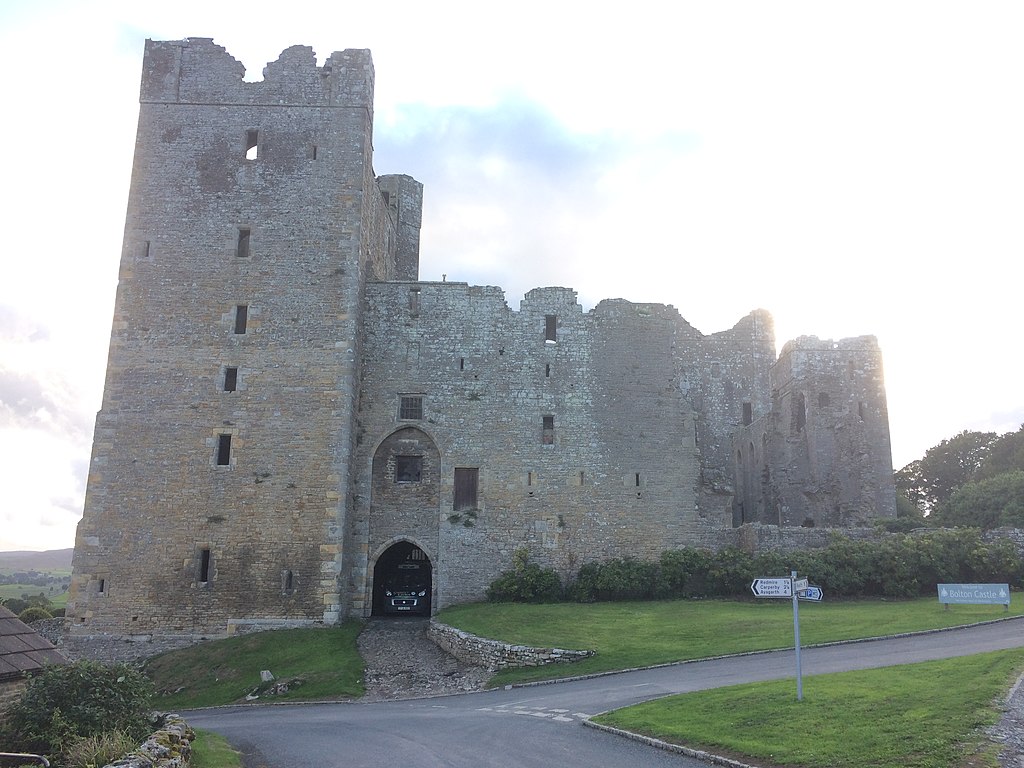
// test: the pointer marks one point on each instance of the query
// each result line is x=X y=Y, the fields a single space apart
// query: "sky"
x=854 y=168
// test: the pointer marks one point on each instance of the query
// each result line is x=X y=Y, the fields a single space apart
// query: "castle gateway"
x=296 y=429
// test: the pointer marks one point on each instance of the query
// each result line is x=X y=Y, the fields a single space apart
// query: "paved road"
x=539 y=725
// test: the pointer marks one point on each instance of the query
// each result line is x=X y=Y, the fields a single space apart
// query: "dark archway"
x=402 y=581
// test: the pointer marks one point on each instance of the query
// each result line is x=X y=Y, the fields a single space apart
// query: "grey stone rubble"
x=401 y=663
x=1009 y=731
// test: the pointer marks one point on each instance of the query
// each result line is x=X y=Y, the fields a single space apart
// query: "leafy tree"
x=1006 y=455
x=989 y=503
x=931 y=481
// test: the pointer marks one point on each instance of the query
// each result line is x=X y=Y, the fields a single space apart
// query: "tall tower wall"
x=218 y=485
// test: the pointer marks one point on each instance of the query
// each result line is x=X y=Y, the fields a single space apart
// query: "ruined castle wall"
x=830 y=450
x=179 y=534
x=579 y=425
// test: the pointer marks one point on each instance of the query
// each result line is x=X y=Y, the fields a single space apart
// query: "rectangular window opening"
x=252 y=140
x=241 y=318
x=312 y=152
x=748 y=414
x=204 y=566
x=144 y=250
x=548 y=430
x=547 y=370
x=408 y=469
x=414 y=302
x=242 y=249
x=462 y=363
x=466 y=484
x=636 y=479
x=861 y=410
x=529 y=478
x=550 y=324
x=103 y=586
x=411 y=407
x=230 y=379
x=287 y=582
x=223 y=450
x=582 y=477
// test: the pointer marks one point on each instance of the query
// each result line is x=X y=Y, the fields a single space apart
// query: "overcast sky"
x=855 y=168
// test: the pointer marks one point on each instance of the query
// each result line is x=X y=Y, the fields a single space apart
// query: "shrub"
x=101 y=749
x=620 y=579
x=34 y=614
x=526 y=583
x=78 y=700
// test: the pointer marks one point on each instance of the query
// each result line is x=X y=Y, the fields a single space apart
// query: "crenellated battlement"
x=198 y=71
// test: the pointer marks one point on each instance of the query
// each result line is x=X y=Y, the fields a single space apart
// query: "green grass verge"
x=211 y=750
x=324 y=661
x=640 y=634
x=928 y=715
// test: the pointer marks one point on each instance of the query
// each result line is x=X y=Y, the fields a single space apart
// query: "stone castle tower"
x=290 y=415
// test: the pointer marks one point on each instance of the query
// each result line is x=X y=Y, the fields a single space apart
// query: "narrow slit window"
x=799 y=412
x=144 y=250
x=529 y=478
x=462 y=363
x=582 y=477
x=547 y=370
x=861 y=410
x=103 y=586
x=241 y=318
x=414 y=302
x=547 y=434
x=466 y=485
x=223 y=450
x=252 y=144
x=287 y=582
x=748 y=414
x=204 y=566
x=242 y=248
x=636 y=479
x=230 y=379
x=550 y=328
x=312 y=152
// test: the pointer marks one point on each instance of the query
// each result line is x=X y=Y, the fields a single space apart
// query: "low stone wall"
x=494 y=654
x=169 y=747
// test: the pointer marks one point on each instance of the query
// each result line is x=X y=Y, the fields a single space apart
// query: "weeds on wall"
x=898 y=566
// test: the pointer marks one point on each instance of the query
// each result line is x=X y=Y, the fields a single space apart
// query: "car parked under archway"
x=402 y=581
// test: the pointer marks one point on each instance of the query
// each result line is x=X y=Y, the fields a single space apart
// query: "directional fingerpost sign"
x=800 y=584
x=772 y=587
x=814 y=594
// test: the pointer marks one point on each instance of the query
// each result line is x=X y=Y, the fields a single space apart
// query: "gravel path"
x=401 y=663
x=1010 y=729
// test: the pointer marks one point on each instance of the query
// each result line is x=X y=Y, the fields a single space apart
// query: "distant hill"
x=51 y=560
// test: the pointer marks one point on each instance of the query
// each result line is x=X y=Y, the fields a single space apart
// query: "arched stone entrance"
x=402 y=581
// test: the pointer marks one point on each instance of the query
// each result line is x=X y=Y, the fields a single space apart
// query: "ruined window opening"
x=204 y=566
x=550 y=323
x=823 y=399
x=799 y=412
x=230 y=379
x=252 y=140
x=547 y=370
x=408 y=469
x=548 y=430
x=223 y=450
x=414 y=302
x=466 y=484
x=748 y=414
x=241 y=318
x=411 y=407
x=242 y=249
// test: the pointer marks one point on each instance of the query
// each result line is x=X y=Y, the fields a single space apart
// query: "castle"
x=290 y=414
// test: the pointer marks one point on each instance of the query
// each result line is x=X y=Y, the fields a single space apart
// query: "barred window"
x=410 y=407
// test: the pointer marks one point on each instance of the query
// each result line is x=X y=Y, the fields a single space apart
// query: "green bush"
x=526 y=583
x=34 y=614
x=65 y=702
x=620 y=579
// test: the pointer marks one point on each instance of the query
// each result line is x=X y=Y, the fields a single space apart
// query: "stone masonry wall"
x=494 y=654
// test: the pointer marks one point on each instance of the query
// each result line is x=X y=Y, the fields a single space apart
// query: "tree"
x=1006 y=455
x=931 y=481
x=989 y=503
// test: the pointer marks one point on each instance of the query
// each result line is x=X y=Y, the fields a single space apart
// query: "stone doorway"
x=402 y=581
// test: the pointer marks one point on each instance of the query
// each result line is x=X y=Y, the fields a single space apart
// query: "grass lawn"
x=58 y=598
x=325 y=661
x=928 y=715
x=211 y=750
x=640 y=634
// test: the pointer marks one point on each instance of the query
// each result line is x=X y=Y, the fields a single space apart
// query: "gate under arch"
x=402 y=581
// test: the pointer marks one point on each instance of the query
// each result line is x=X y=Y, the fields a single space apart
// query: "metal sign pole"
x=796 y=633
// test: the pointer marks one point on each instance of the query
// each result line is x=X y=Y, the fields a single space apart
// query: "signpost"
x=797 y=589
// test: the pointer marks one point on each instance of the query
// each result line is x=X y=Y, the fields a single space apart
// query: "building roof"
x=22 y=649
